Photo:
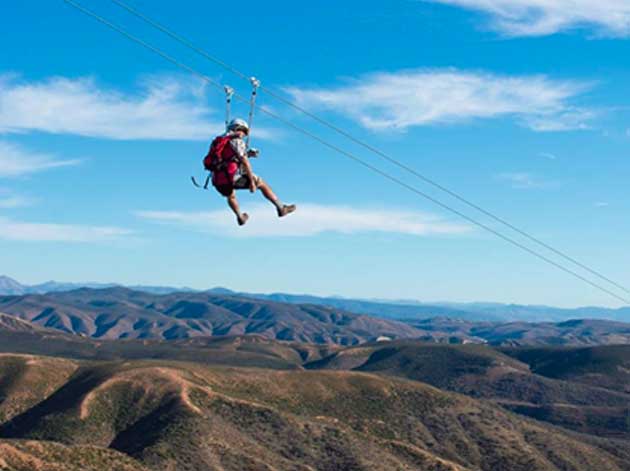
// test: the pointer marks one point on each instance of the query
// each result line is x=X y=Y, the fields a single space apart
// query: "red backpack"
x=221 y=160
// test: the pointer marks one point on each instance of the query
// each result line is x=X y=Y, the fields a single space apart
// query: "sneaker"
x=243 y=219
x=286 y=209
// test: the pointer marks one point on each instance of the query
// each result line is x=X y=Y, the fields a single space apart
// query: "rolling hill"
x=15 y=324
x=571 y=332
x=31 y=455
x=590 y=400
x=607 y=366
x=185 y=416
x=249 y=350
x=120 y=313
x=483 y=372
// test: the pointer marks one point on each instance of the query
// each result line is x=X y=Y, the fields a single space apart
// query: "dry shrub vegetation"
x=170 y=415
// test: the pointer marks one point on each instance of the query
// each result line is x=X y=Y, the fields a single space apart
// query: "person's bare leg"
x=233 y=203
x=283 y=209
x=268 y=193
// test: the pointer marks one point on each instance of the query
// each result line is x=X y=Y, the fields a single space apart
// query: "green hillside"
x=484 y=372
x=604 y=366
x=29 y=455
x=171 y=415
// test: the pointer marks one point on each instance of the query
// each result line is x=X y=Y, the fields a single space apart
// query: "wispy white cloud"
x=602 y=204
x=570 y=118
x=523 y=180
x=543 y=17
x=415 y=98
x=548 y=155
x=162 y=108
x=309 y=220
x=43 y=232
x=16 y=160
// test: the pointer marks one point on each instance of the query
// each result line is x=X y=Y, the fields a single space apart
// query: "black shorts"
x=241 y=183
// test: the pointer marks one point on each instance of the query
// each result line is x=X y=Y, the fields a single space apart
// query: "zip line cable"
x=345 y=153
x=365 y=145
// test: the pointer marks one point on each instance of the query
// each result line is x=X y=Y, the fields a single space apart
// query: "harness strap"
x=252 y=105
x=223 y=168
x=229 y=91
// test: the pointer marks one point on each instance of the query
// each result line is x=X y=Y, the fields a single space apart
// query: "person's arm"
x=241 y=150
x=249 y=172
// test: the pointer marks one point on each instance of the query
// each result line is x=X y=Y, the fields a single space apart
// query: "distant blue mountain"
x=491 y=312
x=408 y=310
x=11 y=287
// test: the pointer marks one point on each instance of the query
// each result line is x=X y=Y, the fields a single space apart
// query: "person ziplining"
x=228 y=160
x=229 y=165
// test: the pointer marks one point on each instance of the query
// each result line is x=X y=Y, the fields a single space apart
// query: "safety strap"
x=207 y=182
x=252 y=105
x=229 y=91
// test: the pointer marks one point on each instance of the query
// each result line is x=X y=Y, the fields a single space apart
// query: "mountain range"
x=122 y=313
x=399 y=310
x=11 y=287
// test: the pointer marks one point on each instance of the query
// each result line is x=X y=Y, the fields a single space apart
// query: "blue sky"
x=519 y=105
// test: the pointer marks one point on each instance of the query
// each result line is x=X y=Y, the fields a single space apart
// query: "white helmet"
x=238 y=125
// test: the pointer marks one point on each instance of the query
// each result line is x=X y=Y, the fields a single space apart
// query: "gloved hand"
x=253 y=153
